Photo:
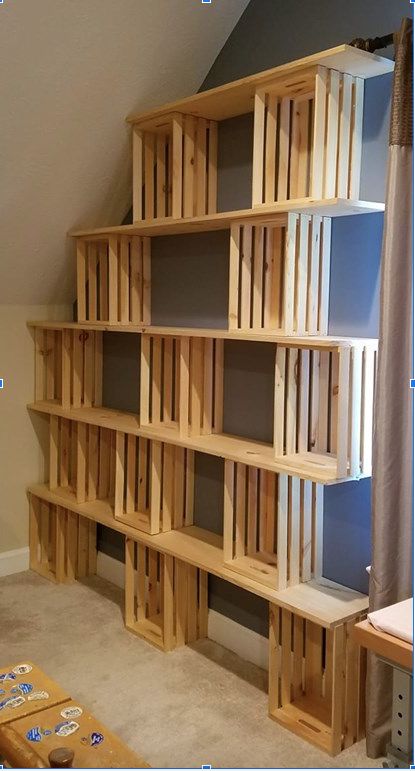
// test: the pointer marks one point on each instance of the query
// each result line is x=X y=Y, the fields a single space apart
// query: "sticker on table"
x=71 y=712
x=93 y=739
x=2 y=691
x=46 y=731
x=67 y=728
x=96 y=738
x=34 y=735
x=38 y=696
x=25 y=688
x=22 y=669
x=7 y=676
x=15 y=702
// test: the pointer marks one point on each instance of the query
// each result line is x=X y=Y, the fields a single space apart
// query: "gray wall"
x=187 y=291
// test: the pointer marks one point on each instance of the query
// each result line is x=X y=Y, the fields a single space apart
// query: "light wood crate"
x=316 y=680
x=273 y=526
x=68 y=367
x=308 y=137
x=174 y=167
x=113 y=279
x=154 y=484
x=62 y=544
x=165 y=598
x=279 y=276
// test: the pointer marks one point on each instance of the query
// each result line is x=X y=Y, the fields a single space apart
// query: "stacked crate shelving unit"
x=135 y=473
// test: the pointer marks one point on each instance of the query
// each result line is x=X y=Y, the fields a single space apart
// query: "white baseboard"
x=247 y=644
x=110 y=569
x=14 y=561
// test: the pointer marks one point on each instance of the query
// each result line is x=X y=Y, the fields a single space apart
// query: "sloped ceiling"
x=71 y=70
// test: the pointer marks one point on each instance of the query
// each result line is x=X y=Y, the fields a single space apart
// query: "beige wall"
x=22 y=434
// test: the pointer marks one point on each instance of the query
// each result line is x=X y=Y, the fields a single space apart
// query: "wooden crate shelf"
x=236 y=98
x=146 y=484
x=174 y=167
x=325 y=603
x=273 y=526
x=165 y=598
x=135 y=473
x=317 y=467
x=113 y=279
x=316 y=680
x=279 y=276
x=253 y=335
x=267 y=214
x=153 y=484
x=309 y=142
x=68 y=367
x=62 y=544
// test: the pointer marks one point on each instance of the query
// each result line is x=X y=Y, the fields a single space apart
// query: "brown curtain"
x=391 y=574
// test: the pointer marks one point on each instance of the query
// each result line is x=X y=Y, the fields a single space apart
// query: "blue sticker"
x=7 y=676
x=34 y=735
x=47 y=732
x=1 y=691
x=25 y=688
x=96 y=738
x=15 y=689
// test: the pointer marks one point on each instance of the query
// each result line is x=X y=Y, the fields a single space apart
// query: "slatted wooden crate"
x=153 y=484
x=174 y=167
x=201 y=384
x=324 y=405
x=62 y=544
x=308 y=137
x=181 y=383
x=316 y=680
x=68 y=367
x=273 y=526
x=165 y=599
x=279 y=276
x=160 y=380
x=113 y=279
x=82 y=460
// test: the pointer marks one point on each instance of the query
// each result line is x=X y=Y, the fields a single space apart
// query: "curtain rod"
x=372 y=44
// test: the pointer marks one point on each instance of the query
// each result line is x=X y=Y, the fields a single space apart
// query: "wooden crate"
x=113 y=279
x=165 y=599
x=308 y=137
x=82 y=460
x=174 y=167
x=324 y=405
x=201 y=386
x=68 y=367
x=62 y=544
x=160 y=380
x=153 y=484
x=273 y=526
x=181 y=383
x=316 y=680
x=279 y=276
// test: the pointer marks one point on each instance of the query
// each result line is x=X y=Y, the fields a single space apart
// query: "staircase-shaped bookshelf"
x=135 y=473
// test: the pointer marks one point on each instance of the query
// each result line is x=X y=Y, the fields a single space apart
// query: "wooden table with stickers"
x=42 y=727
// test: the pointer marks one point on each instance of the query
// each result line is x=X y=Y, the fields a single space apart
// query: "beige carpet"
x=199 y=704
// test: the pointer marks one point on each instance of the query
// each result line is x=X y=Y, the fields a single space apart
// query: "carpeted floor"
x=199 y=704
